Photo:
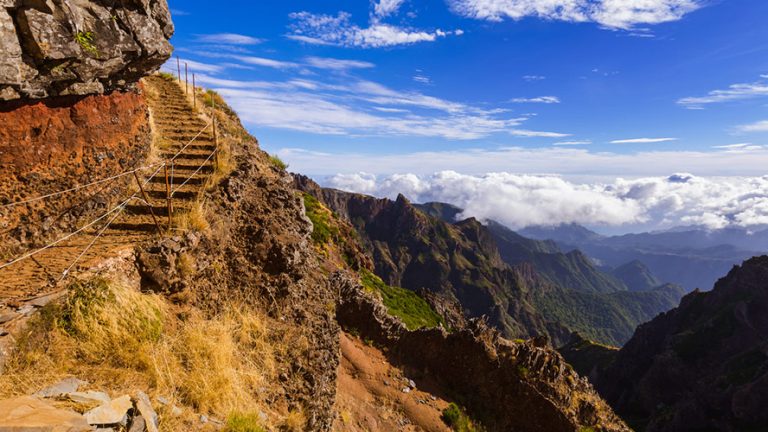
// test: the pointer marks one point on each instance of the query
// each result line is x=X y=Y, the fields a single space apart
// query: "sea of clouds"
x=524 y=200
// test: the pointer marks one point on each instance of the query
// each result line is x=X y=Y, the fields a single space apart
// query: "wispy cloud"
x=612 y=14
x=384 y=8
x=643 y=140
x=337 y=64
x=572 y=143
x=359 y=107
x=266 y=62
x=540 y=99
x=533 y=78
x=734 y=92
x=761 y=126
x=194 y=66
x=229 y=38
x=740 y=147
x=421 y=79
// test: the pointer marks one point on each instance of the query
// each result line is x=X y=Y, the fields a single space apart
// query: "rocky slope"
x=63 y=47
x=702 y=366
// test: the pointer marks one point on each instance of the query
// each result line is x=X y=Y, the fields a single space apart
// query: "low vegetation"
x=413 y=310
x=324 y=229
x=195 y=218
x=239 y=422
x=85 y=40
x=457 y=420
x=122 y=339
x=278 y=163
x=167 y=76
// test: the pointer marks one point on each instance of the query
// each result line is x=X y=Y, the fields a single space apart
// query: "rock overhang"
x=54 y=48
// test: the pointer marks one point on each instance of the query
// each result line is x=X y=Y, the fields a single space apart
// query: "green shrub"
x=324 y=230
x=455 y=418
x=278 y=163
x=239 y=422
x=85 y=40
x=413 y=310
x=167 y=76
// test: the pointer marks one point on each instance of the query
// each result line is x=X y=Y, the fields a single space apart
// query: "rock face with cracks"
x=66 y=47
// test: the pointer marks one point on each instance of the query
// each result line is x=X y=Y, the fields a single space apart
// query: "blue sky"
x=583 y=89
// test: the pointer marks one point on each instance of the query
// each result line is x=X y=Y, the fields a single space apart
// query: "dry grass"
x=122 y=340
x=196 y=218
x=295 y=421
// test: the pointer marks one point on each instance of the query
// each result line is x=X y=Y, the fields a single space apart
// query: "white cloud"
x=229 y=38
x=539 y=134
x=339 y=30
x=761 y=126
x=540 y=99
x=385 y=8
x=572 y=143
x=266 y=62
x=614 y=14
x=337 y=64
x=532 y=78
x=733 y=93
x=421 y=79
x=523 y=200
x=643 y=140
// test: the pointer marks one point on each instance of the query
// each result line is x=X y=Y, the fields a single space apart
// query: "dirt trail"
x=174 y=124
x=371 y=396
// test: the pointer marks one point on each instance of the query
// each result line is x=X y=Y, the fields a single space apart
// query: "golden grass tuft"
x=196 y=218
x=295 y=421
x=121 y=340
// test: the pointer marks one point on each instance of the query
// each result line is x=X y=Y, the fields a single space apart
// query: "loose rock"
x=110 y=413
x=29 y=413
x=69 y=385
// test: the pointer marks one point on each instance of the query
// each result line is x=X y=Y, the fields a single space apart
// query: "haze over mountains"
x=691 y=257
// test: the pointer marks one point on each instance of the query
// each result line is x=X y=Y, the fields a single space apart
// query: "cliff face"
x=49 y=146
x=702 y=366
x=66 y=47
x=505 y=385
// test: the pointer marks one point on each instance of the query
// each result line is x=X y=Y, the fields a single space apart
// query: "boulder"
x=31 y=414
x=62 y=47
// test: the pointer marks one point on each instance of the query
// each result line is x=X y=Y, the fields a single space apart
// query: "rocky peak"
x=65 y=47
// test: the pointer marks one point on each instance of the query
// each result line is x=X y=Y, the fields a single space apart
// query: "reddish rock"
x=55 y=144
